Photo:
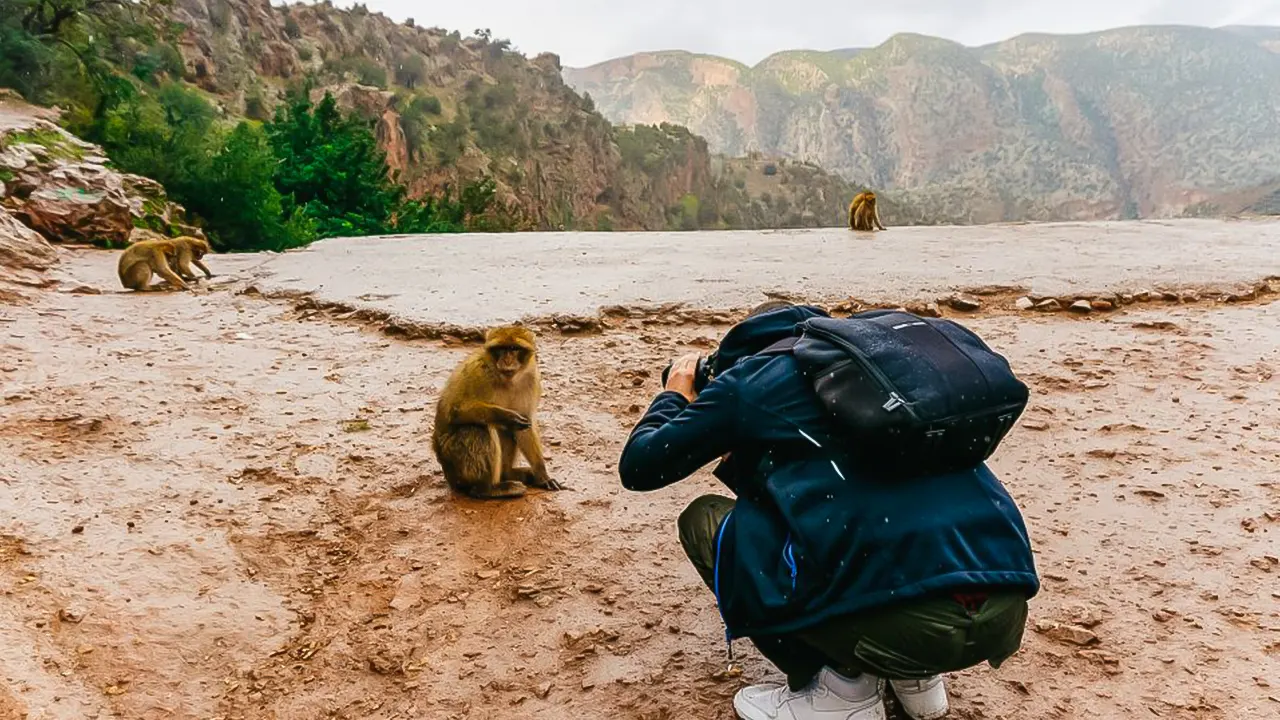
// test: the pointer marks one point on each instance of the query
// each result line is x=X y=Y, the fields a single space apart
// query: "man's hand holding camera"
x=681 y=377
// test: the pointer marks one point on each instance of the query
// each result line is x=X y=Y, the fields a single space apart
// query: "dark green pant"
x=915 y=640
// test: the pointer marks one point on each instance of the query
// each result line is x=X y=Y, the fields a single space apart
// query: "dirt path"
x=189 y=527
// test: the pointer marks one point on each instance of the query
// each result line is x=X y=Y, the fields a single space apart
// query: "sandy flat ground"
x=191 y=528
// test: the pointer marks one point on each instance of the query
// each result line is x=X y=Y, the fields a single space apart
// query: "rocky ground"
x=214 y=505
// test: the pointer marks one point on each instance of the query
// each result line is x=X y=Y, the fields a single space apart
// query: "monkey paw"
x=520 y=422
x=545 y=483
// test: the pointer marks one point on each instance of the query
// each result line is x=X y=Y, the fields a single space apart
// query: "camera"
x=702 y=374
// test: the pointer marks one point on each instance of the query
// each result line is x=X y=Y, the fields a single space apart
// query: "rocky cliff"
x=1141 y=121
x=447 y=108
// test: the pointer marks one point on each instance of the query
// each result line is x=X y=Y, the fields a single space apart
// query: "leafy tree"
x=331 y=167
x=247 y=212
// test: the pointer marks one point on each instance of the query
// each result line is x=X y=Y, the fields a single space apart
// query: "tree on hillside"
x=331 y=168
x=244 y=208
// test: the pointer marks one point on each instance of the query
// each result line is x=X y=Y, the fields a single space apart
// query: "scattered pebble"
x=964 y=303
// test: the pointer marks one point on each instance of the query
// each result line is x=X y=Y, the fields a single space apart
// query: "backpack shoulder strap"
x=781 y=347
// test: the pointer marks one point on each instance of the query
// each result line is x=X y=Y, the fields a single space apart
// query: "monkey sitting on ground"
x=141 y=259
x=190 y=251
x=863 y=213
x=486 y=412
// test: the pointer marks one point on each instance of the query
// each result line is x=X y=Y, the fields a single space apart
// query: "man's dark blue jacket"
x=817 y=539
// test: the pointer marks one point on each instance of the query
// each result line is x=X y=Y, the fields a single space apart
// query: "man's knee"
x=699 y=524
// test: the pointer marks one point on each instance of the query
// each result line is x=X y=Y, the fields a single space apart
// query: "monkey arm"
x=877 y=218
x=203 y=269
x=182 y=263
x=676 y=437
x=482 y=413
x=530 y=444
x=161 y=266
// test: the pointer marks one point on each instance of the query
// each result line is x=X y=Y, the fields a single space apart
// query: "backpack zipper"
x=895 y=398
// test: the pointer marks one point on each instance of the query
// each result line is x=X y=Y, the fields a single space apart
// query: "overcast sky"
x=583 y=32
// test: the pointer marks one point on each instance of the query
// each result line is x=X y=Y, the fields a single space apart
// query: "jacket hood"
x=759 y=332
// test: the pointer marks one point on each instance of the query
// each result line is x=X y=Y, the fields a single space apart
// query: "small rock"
x=1169 y=296
x=77 y=530
x=929 y=309
x=1189 y=297
x=1103 y=305
x=1035 y=424
x=84 y=290
x=543 y=690
x=1162 y=615
x=1081 y=306
x=71 y=615
x=1265 y=564
x=1050 y=305
x=964 y=303
x=487 y=574
x=1126 y=299
x=1069 y=634
x=1085 y=616
x=1025 y=303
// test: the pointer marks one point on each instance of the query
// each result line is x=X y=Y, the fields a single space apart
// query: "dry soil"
x=213 y=505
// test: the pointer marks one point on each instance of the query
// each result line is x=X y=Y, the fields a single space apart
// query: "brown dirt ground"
x=190 y=527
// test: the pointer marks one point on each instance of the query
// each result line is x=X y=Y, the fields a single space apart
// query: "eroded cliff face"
x=1142 y=121
x=447 y=109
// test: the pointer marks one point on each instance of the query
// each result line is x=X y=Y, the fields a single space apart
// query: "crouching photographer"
x=868 y=544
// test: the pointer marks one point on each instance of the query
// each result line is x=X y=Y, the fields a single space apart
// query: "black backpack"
x=917 y=396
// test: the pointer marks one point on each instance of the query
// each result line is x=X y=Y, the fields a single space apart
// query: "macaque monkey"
x=486 y=412
x=190 y=252
x=141 y=259
x=863 y=213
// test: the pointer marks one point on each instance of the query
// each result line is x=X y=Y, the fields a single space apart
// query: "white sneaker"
x=829 y=697
x=922 y=699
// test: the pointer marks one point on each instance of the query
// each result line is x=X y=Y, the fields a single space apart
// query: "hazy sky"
x=583 y=32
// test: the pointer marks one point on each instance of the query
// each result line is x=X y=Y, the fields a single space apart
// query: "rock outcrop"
x=61 y=186
x=55 y=187
x=25 y=256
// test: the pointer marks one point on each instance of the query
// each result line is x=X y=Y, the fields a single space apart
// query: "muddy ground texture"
x=215 y=505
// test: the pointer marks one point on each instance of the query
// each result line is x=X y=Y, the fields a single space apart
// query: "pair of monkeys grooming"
x=145 y=258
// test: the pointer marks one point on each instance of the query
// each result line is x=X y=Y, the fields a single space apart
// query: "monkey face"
x=509 y=359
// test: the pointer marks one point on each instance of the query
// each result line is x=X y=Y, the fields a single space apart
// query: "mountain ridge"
x=1137 y=121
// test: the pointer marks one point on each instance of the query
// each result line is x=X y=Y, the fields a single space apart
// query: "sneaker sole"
x=878 y=712
x=937 y=715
